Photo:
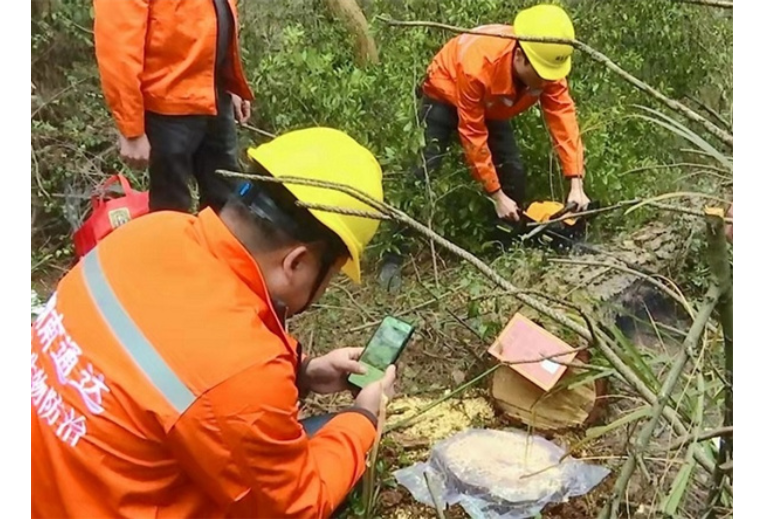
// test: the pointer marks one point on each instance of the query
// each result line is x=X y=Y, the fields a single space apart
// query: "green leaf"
x=636 y=360
x=671 y=503
x=637 y=414
x=685 y=132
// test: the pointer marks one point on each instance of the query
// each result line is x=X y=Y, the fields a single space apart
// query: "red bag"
x=109 y=214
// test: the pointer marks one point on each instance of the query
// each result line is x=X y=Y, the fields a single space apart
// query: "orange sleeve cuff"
x=131 y=128
x=491 y=184
x=354 y=422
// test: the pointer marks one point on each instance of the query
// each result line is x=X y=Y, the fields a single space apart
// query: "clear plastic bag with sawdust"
x=498 y=474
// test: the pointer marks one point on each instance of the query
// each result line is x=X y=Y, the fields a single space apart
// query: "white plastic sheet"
x=490 y=474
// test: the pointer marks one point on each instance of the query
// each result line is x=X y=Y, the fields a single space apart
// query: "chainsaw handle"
x=570 y=206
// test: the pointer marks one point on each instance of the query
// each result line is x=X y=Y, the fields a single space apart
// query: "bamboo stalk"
x=722 y=273
x=610 y=510
x=706 y=435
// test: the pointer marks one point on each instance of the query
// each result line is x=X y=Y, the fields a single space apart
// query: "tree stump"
x=523 y=402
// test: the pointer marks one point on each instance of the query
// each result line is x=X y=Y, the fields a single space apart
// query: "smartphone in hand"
x=383 y=349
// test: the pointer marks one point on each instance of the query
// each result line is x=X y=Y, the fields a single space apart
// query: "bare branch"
x=710 y=3
x=605 y=344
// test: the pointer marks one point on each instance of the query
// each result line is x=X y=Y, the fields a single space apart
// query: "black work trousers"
x=191 y=147
x=441 y=123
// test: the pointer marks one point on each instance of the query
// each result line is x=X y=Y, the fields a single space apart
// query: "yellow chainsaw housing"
x=541 y=211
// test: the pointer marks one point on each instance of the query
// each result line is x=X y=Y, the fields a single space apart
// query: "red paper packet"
x=523 y=340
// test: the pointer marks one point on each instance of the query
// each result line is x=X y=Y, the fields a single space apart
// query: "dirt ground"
x=456 y=320
x=456 y=323
x=449 y=348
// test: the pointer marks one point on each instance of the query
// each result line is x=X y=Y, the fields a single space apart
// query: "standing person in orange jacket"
x=172 y=77
x=164 y=383
x=476 y=84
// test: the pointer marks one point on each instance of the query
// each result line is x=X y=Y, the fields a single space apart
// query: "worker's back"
x=471 y=54
x=164 y=51
x=136 y=334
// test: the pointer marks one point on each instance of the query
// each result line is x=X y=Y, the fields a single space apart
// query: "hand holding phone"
x=383 y=350
x=370 y=397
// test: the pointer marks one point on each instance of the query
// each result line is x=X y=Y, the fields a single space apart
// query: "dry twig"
x=606 y=344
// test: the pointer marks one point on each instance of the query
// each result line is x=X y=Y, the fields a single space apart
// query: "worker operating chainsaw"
x=476 y=84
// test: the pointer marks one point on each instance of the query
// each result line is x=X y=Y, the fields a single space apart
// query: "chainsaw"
x=560 y=234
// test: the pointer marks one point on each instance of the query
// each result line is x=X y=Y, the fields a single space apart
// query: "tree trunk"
x=523 y=402
x=351 y=15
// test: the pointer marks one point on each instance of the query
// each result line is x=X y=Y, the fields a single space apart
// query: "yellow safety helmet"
x=550 y=60
x=332 y=156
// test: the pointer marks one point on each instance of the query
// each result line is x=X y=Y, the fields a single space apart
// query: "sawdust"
x=402 y=513
x=442 y=421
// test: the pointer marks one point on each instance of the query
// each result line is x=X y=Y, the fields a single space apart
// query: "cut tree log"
x=596 y=289
x=523 y=402
x=352 y=16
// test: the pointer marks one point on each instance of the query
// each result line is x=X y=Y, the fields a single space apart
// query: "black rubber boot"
x=390 y=277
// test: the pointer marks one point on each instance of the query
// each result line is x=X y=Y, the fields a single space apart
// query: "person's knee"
x=169 y=199
x=169 y=176
x=442 y=120
x=229 y=151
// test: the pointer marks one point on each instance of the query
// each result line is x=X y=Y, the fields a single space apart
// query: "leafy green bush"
x=307 y=76
x=301 y=64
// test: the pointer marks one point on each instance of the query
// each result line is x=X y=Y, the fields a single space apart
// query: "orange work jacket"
x=159 y=56
x=474 y=74
x=164 y=386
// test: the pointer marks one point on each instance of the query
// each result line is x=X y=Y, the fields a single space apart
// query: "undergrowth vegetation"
x=300 y=62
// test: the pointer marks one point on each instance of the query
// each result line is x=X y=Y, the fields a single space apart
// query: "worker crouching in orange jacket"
x=164 y=383
x=476 y=84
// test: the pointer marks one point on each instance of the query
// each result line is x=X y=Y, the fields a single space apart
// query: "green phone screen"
x=382 y=350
